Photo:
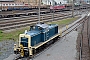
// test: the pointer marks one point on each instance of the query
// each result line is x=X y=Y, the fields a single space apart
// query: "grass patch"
x=4 y=49
x=1 y=31
x=12 y=35
x=64 y=21
x=0 y=53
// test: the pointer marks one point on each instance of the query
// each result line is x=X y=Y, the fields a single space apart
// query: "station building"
x=51 y=2
x=31 y=2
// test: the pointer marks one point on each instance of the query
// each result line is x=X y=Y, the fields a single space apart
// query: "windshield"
x=24 y=41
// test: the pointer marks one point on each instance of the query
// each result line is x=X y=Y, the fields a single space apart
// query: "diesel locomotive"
x=38 y=37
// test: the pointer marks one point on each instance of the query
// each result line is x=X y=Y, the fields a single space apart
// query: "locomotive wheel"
x=15 y=52
x=34 y=51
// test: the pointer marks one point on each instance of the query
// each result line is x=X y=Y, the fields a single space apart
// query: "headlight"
x=15 y=47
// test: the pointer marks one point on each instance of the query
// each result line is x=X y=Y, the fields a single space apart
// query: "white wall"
x=6 y=0
x=62 y=1
x=47 y=2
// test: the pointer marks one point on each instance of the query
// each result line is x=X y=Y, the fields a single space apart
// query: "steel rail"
x=25 y=21
x=77 y=25
x=28 y=23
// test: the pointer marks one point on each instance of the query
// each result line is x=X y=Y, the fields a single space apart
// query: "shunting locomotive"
x=34 y=40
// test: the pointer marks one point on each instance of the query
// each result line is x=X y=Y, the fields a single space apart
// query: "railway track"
x=16 y=23
x=18 y=13
x=71 y=27
x=30 y=12
x=22 y=12
x=4 y=19
x=75 y=26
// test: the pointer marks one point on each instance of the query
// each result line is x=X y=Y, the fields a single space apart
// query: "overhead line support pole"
x=72 y=8
x=39 y=11
x=53 y=10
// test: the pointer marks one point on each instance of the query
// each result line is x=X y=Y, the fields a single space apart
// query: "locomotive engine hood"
x=39 y=28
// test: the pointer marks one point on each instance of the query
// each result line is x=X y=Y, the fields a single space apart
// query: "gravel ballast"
x=6 y=48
